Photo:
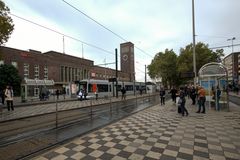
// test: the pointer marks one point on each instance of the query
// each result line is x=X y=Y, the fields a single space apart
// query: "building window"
x=66 y=74
x=15 y=64
x=84 y=74
x=36 y=71
x=45 y=72
x=62 y=74
x=76 y=74
x=69 y=74
x=26 y=70
x=36 y=92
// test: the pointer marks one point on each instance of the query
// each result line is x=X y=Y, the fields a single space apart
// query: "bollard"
x=136 y=100
x=91 y=110
x=111 y=106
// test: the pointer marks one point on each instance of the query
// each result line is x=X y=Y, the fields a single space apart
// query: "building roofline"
x=62 y=54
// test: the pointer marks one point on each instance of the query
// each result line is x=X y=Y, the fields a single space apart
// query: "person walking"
x=218 y=95
x=57 y=93
x=182 y=101
x=80 y=94
x=64 y=92
x=201 y=100
x=9 y=97
x=162 y=96
x=123 y=90
x=2 y=96
x=173 y=94
x=193 y=95
x=141 y=90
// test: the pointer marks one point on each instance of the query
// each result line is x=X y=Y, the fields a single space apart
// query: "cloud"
x=152 y=26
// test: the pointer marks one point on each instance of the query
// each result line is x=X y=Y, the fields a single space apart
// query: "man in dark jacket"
x=173 y=94
x=193 y=94
x=162 y=96
x=182 y=102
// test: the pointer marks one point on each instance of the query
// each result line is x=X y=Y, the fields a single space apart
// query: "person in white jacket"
x=9 y=97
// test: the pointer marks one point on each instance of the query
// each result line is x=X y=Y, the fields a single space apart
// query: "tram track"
x=43 y=134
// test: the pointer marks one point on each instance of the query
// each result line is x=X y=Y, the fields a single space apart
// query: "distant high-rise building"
x=232 y=63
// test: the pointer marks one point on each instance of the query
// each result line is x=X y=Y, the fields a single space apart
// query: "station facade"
x=58 y=71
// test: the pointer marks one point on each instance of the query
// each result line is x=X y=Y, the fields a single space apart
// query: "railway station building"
x=55 y=70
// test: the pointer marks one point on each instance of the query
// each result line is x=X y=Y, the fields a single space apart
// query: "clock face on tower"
x=125 y=57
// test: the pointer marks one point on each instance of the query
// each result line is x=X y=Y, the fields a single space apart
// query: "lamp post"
x=145 y=74
x=231 y=39
x=194 y=54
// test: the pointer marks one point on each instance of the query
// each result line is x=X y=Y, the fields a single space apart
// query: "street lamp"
x=145 y=74
x=231 y=39
x=194 y=53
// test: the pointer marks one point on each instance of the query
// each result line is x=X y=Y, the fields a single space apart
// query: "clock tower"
x=127 y=59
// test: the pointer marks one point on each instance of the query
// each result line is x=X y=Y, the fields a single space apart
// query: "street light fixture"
x=231 y=39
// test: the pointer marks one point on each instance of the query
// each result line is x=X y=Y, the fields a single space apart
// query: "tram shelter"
x=212 y=76
x=32 y=87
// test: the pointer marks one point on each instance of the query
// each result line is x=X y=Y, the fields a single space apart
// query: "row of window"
x=69 y=74
x=104 y=87
x=104 y=76
x=26 y=68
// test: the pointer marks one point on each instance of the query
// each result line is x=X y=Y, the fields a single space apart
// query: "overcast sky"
x=152 y=25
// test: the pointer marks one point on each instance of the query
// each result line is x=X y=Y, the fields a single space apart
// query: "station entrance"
x=213 y=77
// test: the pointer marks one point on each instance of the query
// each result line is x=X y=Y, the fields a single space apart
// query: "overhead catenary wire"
x=65 y=35
x=62 y=34
x=104 y=27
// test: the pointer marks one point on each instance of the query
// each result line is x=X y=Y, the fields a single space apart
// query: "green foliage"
x=203 y=56
x=9 y=76
x=164 y=66
x=168 y=65
x=6 y=23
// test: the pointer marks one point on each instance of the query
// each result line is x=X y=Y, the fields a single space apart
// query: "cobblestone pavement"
x=159 y=133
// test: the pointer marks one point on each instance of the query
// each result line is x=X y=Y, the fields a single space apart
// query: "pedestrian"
x=123 y=90
x=141 y=90
x=64 y=92
x=182 y=101
x=162 y=96
x=193 y=95
x=218 y=95
x=57 y=93
x=173 y=94
x=80 y=94
x=2 y=96
x=85 y=94
x=201 y=100
x=9 y=97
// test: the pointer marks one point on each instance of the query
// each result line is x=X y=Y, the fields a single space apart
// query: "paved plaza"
x=159 y=132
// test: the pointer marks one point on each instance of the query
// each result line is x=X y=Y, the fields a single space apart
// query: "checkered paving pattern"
x=159 y=133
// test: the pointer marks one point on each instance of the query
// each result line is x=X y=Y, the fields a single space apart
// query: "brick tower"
x=127 y=59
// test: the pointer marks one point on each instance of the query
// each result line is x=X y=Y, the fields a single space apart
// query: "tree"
x=6 y=23
x=168 y=65
x=9 y=76
x=203 y=55
x=164 y=66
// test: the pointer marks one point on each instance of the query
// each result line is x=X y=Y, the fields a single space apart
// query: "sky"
x=151 y=25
